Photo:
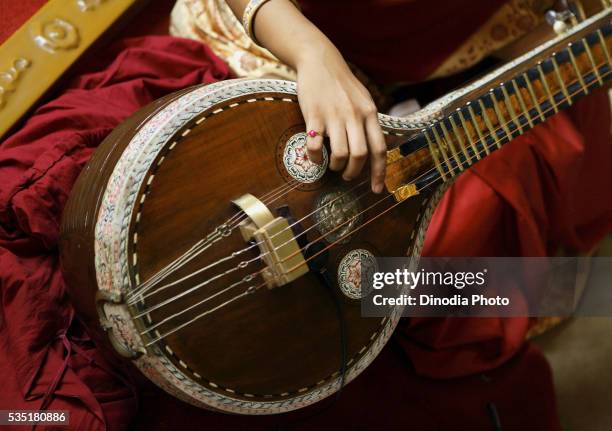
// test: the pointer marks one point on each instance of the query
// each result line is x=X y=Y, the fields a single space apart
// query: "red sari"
x=398 y=40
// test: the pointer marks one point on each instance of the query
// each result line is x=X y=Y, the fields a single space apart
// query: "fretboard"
x=540 y=85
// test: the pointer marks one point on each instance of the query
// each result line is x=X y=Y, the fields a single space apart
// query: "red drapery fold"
x=398 y=40
x=41 y=364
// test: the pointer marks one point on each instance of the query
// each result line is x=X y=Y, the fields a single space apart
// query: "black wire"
x=319 y=267
x=494 y=416
x=341 y=322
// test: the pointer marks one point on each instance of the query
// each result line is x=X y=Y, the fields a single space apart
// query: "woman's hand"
x=334 y=103
x=332 y=100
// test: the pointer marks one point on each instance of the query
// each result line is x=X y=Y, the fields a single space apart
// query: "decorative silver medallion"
x=337 y=209
x=297 y=163
x=356 y=265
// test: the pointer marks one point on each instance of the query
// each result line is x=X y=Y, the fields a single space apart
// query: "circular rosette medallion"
x=337 y=213
x=297 y=163
x=355 y=266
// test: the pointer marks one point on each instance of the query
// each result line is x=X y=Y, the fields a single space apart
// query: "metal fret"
x=577 y=69
x=547 y=88
x=434 y=152
x=393 y=155
x=510 y=108
x=451 y=145
x=464 y=125
x=500 y=117
x=604 y=46
x=477 y=127
x=560 y=79
x=533 y=96
x=519 y=96
x=460 y=139
x=587 y=49
x=442 y=147
x=488 y=122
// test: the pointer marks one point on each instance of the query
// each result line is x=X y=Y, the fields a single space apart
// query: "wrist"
x=316 y=50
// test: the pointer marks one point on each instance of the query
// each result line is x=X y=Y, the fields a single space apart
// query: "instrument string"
x=255 y=288
x=137 y=294
x=235 y=253
x=436 y=180
x=225 y=229
x=245 y=279
x=142 y=294
x=290 y=186
x=221 y=231
x=328 y=233
x=283 y=188
x=249 y=290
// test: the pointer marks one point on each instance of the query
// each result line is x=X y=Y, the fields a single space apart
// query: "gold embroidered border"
x=41 y=50
x=513 y=20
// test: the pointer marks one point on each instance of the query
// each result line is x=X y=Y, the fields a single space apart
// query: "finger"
x=378 y=152
x=358 y=149
x=339 y=146
x=314 y=145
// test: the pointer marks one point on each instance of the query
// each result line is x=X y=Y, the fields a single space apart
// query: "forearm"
x=281 y=28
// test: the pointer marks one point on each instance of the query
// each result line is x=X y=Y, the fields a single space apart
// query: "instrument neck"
x=535 y=88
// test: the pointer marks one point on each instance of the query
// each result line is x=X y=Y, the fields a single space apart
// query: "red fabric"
x=398 y=40
x=39 y=364
x=14 y=13
x=551 y=187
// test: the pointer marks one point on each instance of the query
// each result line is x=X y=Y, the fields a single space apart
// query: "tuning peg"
x=560 y=21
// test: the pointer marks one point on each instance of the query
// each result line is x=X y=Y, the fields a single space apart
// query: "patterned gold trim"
x=513 y=20
x=37 y=54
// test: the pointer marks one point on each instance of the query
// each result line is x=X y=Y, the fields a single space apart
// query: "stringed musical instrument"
x=207 y=249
